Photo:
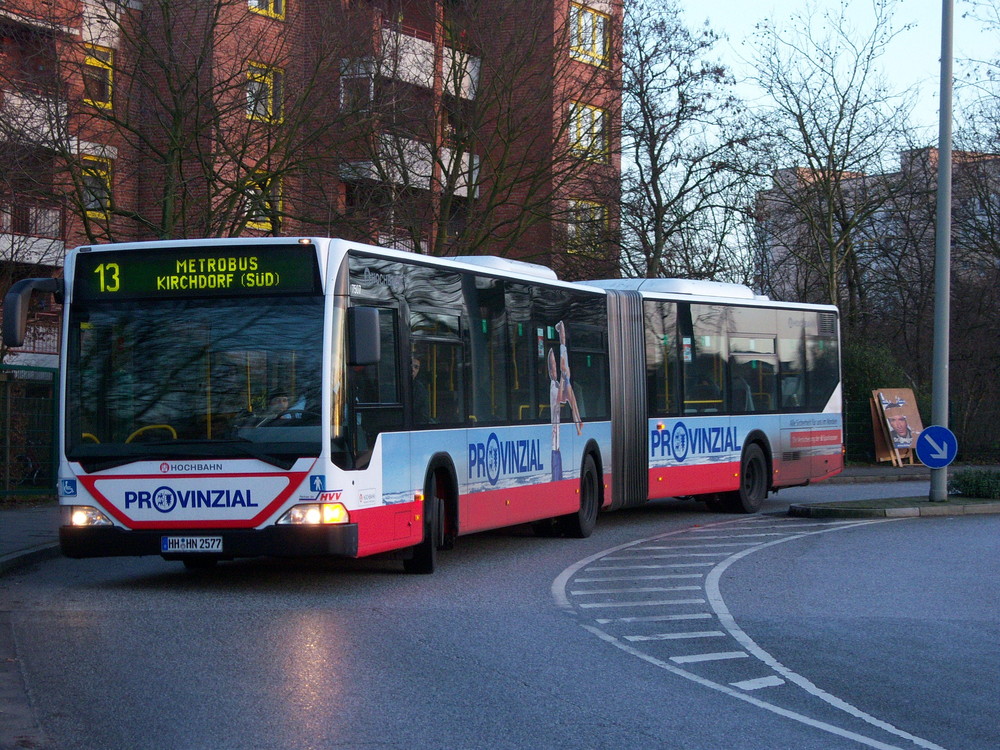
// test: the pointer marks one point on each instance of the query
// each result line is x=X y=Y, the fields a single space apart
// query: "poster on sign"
x=896 y=423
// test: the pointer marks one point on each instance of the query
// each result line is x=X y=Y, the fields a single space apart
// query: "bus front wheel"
x=424 y=558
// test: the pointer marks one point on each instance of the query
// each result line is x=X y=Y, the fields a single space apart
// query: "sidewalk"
x=29 y=535
x=860 y=474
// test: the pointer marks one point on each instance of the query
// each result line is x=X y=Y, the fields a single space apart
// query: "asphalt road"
x=881 y=635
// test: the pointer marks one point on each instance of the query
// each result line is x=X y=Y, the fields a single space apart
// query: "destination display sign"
x=251 y=270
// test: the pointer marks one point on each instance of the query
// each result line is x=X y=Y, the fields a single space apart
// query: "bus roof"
x=707 y=291
x=509 y=266
x=690 y=287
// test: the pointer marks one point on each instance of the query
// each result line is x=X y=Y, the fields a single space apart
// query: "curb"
x=872 y=478
x=19 y=559
x=844 y=511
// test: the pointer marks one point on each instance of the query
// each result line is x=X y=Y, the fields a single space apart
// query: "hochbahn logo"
x=496 y=458
x=166 y=467
x=683 y=441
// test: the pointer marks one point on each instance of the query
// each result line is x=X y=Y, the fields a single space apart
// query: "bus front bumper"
x=339 y=540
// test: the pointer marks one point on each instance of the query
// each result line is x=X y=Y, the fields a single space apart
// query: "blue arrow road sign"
x=936 y=446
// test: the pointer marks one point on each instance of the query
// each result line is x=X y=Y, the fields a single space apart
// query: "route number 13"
x=108 y=278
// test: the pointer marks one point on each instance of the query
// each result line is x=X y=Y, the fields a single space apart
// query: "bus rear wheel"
x=753 y=482
x=581 y=524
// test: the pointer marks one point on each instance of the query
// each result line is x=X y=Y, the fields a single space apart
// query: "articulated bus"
x=316 y=397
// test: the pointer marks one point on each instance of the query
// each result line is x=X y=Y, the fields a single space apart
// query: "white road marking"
x=741 y=695
x=718 y=656
x=654 y=567
x=760 y=682
x=665 y=576
x=741 y=689
x=696 y=545
x=632 y=590
x=729 y=623
x=657 y=618
x=597 y=605
x=674 y=554
x=739 y=536
x=676 y=636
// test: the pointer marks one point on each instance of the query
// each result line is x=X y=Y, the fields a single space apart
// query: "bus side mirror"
x=16 y=303
x=363 y=336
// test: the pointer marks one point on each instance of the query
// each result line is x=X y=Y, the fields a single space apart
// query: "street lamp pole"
x=942 y=254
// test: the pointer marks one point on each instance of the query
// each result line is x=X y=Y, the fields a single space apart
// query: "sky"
x=913 y=58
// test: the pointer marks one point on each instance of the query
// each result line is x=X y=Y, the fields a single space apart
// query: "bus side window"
x=436 y=343
x=661 y=357
x=703 y=361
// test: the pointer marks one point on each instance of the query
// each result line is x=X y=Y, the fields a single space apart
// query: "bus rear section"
x=723 y=395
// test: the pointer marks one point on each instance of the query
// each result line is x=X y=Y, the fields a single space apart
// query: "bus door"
x=374 y=403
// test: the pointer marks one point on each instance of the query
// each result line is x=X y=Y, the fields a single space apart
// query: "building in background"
x=445 y=127
x=866 y=242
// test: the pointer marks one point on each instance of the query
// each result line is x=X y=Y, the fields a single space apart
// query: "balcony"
x=408 y=56
x=37 y=118
x=32 y=232
x=411 y=163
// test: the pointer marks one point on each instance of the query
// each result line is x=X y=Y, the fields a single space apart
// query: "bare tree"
x=678 y=137
x=831 y=121
x=475 y=153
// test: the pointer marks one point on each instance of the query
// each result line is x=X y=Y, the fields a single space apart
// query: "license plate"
x=191 y=544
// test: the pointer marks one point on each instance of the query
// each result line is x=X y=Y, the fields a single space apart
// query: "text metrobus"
x=308 y=397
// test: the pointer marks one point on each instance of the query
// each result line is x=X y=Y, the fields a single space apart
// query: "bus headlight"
x=84 y=515
x=315 y=513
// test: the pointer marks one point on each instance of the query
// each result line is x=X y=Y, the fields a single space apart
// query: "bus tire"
x=581 y=524
x=424 y=557
x=753 y=482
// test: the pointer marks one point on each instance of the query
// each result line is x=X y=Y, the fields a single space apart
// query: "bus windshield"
x=186 y=378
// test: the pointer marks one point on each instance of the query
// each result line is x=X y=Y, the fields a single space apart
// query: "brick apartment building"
x=438 y=126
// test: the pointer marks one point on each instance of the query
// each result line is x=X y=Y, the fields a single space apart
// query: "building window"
x=98 y=76
x=265 y=91
x=262 y=201
x=271 y=8
x=96 y=181
x=586 y=227
x=357 y=85
x=588 y=131
x=588 y=35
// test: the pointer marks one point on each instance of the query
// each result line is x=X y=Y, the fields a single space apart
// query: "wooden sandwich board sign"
x=896 y=425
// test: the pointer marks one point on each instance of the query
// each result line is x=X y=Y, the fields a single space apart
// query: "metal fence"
x=28 y=422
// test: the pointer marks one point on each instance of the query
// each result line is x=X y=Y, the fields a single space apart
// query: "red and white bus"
x=317 y=397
